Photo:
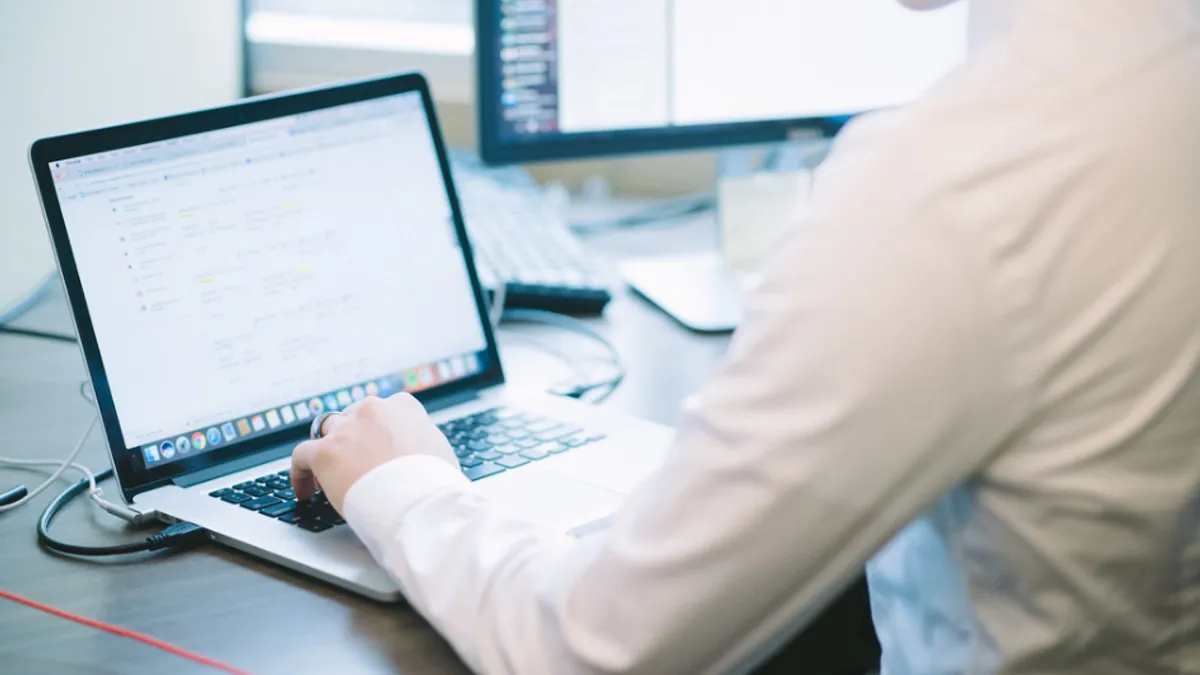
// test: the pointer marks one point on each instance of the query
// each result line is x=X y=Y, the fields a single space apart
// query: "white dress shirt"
x=976 y=365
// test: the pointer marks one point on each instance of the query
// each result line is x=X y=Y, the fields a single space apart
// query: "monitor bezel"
x=132 y=475
x=496 y=149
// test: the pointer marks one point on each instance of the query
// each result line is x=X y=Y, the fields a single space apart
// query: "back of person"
x=1066 y=158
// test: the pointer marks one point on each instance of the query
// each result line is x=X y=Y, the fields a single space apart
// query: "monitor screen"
x=242 y=280
x=601 y=76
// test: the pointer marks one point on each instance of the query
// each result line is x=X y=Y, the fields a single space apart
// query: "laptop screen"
x=242 y=280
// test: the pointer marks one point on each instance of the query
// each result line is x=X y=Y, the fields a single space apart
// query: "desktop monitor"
x=565 y=79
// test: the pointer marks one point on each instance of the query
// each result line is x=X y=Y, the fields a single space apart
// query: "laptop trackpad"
x=552 y=499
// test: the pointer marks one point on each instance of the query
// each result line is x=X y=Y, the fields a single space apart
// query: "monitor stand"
x=704 y=291
x=695 y=289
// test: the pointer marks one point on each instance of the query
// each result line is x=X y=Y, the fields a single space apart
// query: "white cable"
x=95 y=493
x=63 y=465
x=570 y=323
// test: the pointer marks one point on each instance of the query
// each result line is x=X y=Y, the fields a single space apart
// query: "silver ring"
x=314 y=431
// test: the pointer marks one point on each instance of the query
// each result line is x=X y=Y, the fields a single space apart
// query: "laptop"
x=236 y=271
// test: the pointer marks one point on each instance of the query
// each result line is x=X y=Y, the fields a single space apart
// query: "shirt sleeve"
x=867 y=379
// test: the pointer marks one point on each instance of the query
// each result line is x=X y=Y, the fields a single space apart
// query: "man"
x=976 y=365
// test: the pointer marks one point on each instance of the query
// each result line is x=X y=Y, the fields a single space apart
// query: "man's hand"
x=368 y=434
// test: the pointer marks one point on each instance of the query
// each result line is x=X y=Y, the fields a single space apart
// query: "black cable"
x=39 y=334
x=13 y=496
x=578 y=391
x=174 y=536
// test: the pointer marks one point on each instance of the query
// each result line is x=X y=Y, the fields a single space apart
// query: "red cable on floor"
x=125 y=633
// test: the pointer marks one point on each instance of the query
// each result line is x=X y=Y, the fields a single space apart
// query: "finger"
x=303 y=475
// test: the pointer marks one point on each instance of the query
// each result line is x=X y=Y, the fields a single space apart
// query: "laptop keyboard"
x=493 y=441
x=486 y=443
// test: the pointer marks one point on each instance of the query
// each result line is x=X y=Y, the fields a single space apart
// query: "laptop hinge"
x=281 y=451
x=235 y=465
x=450 y=401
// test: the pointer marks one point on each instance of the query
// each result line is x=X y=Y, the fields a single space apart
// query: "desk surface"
x=230 y=606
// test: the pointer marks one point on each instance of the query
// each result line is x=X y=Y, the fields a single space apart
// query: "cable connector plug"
x=179 y=535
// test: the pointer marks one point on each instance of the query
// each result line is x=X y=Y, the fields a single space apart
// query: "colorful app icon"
x=229 y=431
x=412 y=380
x=257 y=423
x=151 y=453
x=472 y=363
x=331 y=402
x=343 y=398
x=198 y=441
x=426 y=375
x=358 y=393
x=302 y=411
x=287 y=414
x=317 y=406
x=182 y=445
x=458 y=367
x=167 y=448
x=385 y=386
x=244 y=426
x=273 y=419
x=372 y=389
x=214 y=436
x=443 y=368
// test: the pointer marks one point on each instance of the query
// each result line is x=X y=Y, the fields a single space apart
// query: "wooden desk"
x=230 y=606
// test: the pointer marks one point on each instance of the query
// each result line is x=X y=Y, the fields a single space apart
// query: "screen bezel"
x=128 y=463
x=496 y=149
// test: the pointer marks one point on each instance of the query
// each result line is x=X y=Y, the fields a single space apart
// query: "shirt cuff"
x=377 y=503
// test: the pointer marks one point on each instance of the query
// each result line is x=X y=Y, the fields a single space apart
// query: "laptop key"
x=507 y=449
x=527 y=443
x=287 y=494
x=512 y=462
x=332 y=517
x=243 y=486
x=290 y=518
x=257 y=491
x=220 y=493
x=483 y=470
x=313 y=525
x=488 y=454
x=236 y=498
x=279 y=509
x=478 y=446
x=284 y=474
x=261 y=503
x=558 y=432
x=470 y=461
x=540 y=452
x=542 y=426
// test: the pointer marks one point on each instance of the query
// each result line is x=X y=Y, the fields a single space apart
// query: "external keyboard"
x=486 y=443
x=520 y=242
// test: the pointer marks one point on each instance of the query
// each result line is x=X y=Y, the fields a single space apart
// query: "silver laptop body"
x=235 y=271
